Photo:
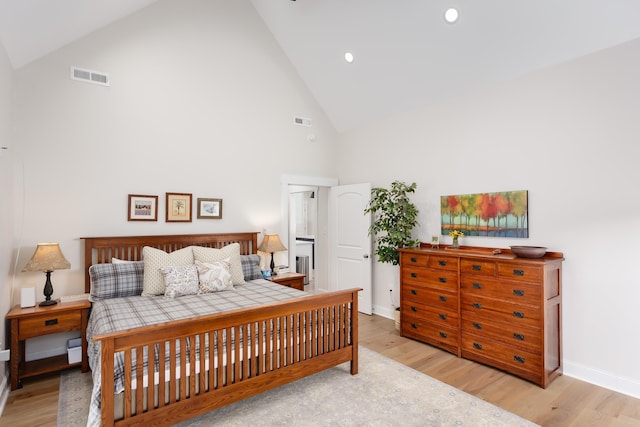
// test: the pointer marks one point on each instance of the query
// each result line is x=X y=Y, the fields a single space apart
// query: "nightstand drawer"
x=49 y=324
x=291 y=280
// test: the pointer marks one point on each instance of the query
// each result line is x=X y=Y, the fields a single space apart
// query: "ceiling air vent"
x=88 y=76
x=302 y=121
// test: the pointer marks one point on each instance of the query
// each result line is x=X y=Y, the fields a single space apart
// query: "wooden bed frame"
x=307 y=335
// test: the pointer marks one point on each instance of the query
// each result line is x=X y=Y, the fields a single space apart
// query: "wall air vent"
x=88 y=76
x=302 y=121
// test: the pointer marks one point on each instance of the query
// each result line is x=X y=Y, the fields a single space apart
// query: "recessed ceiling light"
x=348 y=56
x=451 y=15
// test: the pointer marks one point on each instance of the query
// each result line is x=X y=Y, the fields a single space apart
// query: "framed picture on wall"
x=178 y=207
x=209 y=208
x=142 y=208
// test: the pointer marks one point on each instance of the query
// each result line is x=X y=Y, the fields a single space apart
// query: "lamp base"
x=273 y=266
x=48 y=291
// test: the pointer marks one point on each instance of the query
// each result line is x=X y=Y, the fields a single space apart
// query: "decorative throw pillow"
x=180 y=281
x=214 y=276
x=251 y=266
x=230 y=251
x=154 y=259
x=121 y=261
x=115 y=280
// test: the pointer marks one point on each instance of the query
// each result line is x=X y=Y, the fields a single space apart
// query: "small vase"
x=455 y=244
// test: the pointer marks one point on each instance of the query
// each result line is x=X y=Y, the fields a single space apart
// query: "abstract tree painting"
x=503 y=214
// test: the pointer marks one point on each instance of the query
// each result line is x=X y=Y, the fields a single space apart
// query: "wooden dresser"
x=499 y=310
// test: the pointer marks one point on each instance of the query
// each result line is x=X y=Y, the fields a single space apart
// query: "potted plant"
x=394 y=218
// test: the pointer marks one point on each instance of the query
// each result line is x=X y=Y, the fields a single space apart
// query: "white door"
x=349 y=241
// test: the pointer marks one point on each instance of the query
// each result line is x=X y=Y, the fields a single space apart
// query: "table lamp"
x=270 y=244
x=47 y=257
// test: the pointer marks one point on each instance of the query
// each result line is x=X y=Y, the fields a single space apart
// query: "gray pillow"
x=251 y=266
x=116 y=280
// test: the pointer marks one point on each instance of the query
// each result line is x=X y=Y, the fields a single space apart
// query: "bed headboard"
x=100 y=250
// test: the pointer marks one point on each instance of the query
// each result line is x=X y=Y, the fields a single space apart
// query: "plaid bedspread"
x=131 y=312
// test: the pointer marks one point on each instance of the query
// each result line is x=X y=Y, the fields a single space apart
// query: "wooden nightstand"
x=292 y=280
x=38 y=321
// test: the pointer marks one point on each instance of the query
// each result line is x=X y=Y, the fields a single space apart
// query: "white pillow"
x=180 y=281
x=154 y=259
x=120 y=261
x=231 y=251
x=214 y=276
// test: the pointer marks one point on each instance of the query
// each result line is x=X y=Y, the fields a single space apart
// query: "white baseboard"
x=604 y=379
x=5 y=389
x=384 y=311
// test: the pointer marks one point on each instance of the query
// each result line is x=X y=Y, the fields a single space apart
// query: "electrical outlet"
x=5 y=355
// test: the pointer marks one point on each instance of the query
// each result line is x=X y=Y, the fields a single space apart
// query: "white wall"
x=7 y=226
x=201 y=101
x=570 y=136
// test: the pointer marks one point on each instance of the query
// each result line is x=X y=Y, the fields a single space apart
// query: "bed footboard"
x=207 y=362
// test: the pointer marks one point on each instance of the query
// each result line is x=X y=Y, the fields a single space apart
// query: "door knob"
x=365 y=256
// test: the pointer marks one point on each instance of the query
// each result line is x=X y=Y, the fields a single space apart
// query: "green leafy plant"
x=394 y=218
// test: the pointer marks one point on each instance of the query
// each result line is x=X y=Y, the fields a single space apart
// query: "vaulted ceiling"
x=406 y=56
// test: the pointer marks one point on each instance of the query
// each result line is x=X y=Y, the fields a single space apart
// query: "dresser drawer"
x=520 y=272
x=519 y=293
x=418 y=260
x=477 y=267
x=438 y=301
x=500 y=311
x=440 y=279
x=504 y=355
x=443 y=263
x=444 y=316
x=415 y=327
x=54 y=323
x=512 y=334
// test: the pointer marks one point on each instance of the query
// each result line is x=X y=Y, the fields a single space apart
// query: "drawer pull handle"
x=518 y=336
x=414 y=275
x=414 y=292
x=442 y=316
x=414 y=326
x=443 y=298
x=477 y=345
x=442 y=279
x=519 y=359
x=477 y=285
x=476 y=267
x=518 y=292
x=51 y=322
x=477 y=305
x=518 y=272
x=442 y=263
x=443 y=334
x=477 y=325
x=414 y=309
x=518 y=314
x=414 y=259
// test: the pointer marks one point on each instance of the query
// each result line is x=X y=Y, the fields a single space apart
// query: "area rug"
x=384 y=393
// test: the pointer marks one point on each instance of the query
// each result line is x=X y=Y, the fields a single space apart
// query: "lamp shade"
x=271 y=243
x=47 y=257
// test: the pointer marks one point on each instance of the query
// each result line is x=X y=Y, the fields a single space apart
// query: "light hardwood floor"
x=566 y=402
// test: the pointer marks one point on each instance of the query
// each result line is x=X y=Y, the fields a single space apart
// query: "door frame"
x=286 y=181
